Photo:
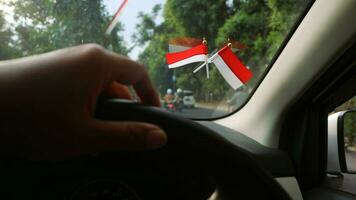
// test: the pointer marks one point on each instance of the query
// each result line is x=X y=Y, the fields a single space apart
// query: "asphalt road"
x=199 y=113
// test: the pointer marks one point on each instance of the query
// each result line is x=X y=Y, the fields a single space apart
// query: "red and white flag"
x=196 y=54
x=231 y=68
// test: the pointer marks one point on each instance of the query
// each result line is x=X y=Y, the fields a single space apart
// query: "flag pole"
x=198 y=68
x=229 y=44
x=206 y=61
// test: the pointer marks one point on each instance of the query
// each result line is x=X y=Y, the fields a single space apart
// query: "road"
x=200 y=112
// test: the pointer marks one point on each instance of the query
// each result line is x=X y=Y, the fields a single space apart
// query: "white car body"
x=188 y=99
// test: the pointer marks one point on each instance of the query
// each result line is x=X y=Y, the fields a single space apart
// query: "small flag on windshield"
x=228 y=64
x=231 y=68
x=192 y=55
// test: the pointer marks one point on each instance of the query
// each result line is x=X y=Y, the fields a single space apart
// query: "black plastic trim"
x=277 y=162
x=304 y=129
x=341 y=142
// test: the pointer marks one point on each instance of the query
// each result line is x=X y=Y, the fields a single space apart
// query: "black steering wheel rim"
x=203 y=145
x=195 y=162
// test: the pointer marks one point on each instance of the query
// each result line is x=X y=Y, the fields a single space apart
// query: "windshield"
x=204 y=56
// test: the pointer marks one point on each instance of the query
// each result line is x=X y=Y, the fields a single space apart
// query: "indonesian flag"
x=192 y=55
x=231 y=68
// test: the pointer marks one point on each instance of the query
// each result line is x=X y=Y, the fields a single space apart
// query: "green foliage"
x=199 y=18
x=178 y=22
x=350 y=127
x=260 y=24
x=7 y=50
x=147 y=26
x=45 y=25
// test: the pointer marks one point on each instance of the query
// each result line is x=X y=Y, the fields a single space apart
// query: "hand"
x=47 y=104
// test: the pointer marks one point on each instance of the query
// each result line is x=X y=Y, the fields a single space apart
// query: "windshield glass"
x=204 y=56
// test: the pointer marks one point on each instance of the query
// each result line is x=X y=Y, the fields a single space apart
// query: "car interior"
x=275 y=146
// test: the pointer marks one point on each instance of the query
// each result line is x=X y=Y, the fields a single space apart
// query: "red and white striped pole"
x=115 y=19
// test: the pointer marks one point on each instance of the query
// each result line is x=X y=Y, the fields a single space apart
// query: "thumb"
x=111 y=136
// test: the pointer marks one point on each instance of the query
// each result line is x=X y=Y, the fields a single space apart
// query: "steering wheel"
x=196 y=162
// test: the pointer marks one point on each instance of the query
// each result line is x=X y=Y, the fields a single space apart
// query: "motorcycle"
x=171 y=107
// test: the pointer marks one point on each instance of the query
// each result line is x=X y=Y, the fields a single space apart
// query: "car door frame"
x=304 y=130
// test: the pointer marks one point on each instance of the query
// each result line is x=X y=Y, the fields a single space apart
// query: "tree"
x=261 y=25
x=178 y=22
x=156 y=37
x=350 y=127
x=45 y=25
x=199 y=18
x=7 y=50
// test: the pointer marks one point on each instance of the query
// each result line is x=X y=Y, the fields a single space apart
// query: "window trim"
x=304 y=129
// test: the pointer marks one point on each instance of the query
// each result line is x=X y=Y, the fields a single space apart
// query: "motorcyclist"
x=168 y=97
x=178 y=99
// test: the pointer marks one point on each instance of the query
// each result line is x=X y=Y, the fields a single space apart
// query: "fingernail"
x=156 y=138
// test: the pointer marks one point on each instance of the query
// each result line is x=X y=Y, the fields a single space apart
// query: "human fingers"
x=117 y=90
x=109 y=65
x=126 y=71
x=110 y=136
